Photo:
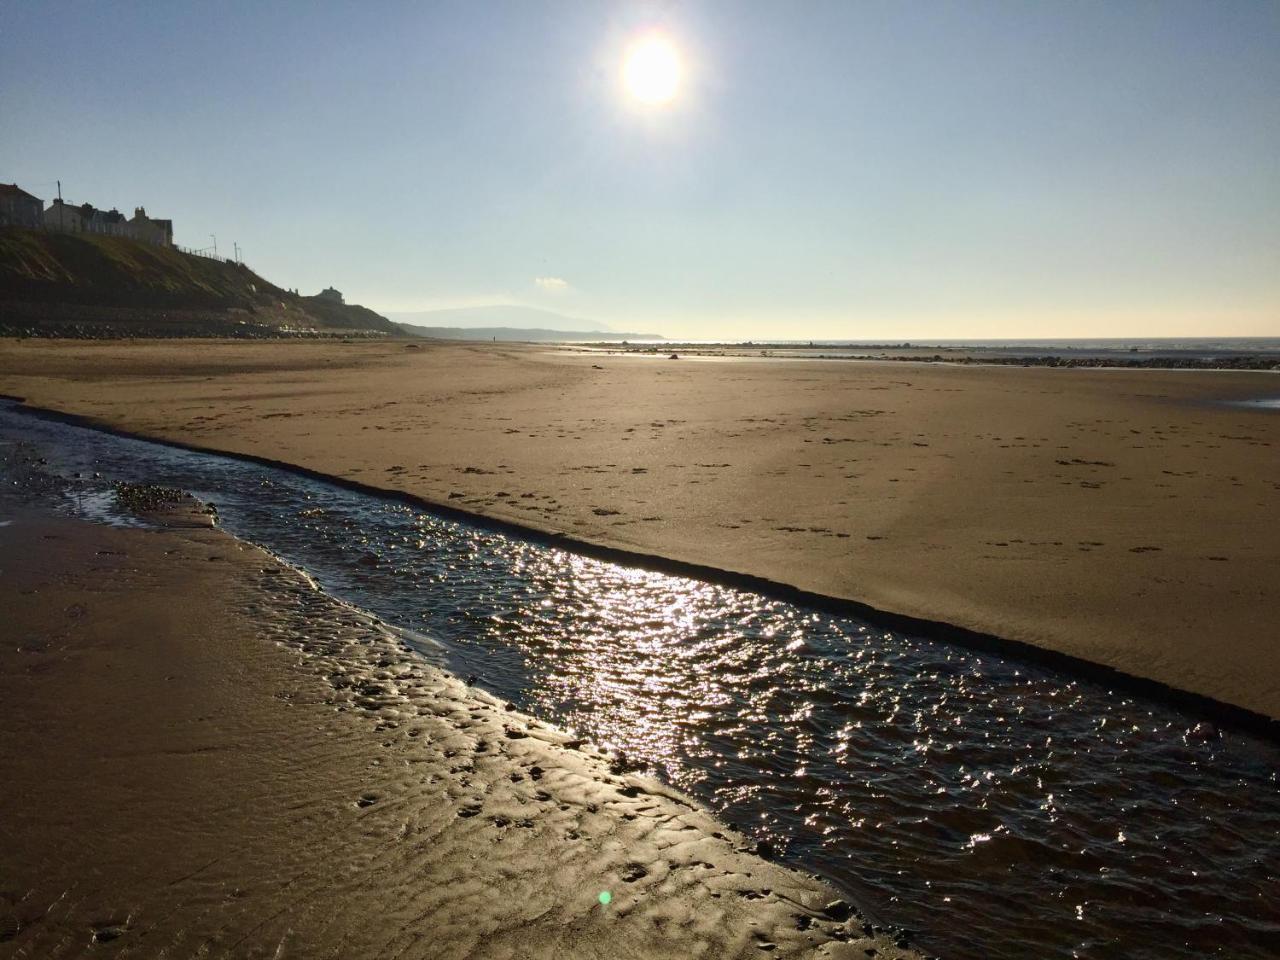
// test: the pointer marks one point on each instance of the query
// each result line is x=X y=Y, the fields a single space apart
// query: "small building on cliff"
x=66 y=217
x=148 y=230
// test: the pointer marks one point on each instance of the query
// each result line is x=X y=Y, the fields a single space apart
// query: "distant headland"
x=510 y=322
x=74 y=270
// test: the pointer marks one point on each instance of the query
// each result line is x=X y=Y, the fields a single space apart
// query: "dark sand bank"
x=205 y=756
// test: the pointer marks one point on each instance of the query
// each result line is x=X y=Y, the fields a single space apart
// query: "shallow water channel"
x=996 y=809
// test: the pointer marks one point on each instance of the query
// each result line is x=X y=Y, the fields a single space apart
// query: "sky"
x=862 y=170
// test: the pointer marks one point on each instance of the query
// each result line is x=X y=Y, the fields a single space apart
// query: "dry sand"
x=203 y=756
x=1123 y=517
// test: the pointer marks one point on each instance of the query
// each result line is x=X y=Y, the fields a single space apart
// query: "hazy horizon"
x=850 y=171
x=519 y=317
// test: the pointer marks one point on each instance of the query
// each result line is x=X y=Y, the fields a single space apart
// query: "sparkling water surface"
x=998 y=810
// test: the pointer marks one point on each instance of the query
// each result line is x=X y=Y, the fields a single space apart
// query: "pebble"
x=838 y=910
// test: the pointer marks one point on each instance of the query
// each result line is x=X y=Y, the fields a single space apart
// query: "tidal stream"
x=996 y=809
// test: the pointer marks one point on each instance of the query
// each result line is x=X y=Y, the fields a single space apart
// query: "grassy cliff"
x=81 y=285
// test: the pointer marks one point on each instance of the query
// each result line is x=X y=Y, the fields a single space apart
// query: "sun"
x=651 y=72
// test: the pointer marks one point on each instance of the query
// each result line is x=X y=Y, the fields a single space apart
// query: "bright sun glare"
x=652 y=71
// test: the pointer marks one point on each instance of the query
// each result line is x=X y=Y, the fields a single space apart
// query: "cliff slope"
x=54 y=284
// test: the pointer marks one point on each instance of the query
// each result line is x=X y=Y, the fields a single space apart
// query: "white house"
x=65 y=217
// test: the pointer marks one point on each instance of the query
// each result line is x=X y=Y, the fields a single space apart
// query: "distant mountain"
x=520 y=334
x=499 y=315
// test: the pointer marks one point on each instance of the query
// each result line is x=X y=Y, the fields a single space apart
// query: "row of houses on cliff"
x=21 y=209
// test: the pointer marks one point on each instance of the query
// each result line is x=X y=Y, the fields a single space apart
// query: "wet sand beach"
x=203 y=755
x=1127 y=518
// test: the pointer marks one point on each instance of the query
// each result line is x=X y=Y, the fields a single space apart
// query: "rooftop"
x=13 y=190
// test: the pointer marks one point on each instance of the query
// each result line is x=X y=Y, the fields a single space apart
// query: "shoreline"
x=1251 y=364
x=307 y=741
x=1065 y=358
x=1196 y=704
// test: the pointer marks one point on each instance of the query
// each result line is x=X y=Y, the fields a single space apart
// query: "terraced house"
x=86 y=218
x=21 y=209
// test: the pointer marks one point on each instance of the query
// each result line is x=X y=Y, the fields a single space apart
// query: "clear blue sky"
x=837 y=169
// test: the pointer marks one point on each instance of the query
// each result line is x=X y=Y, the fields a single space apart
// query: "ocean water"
x=997 y=809
x=1121 y=348
x=1271 y=403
